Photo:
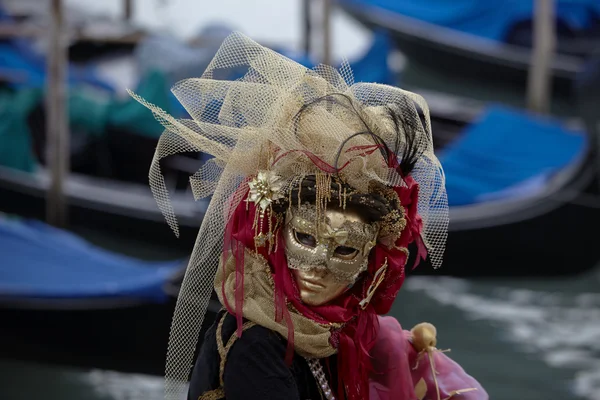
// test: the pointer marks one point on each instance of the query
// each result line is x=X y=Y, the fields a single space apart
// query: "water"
x=22 y=381
x=522 y=339
x=526 y=339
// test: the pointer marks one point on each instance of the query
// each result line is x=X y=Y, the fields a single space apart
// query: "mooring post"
x=306 y=26
x=327 y=32
x=128 y=9
x=539 y=82
x=57 y=131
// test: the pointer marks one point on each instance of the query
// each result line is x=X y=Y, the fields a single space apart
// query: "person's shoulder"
x=255 y=366
x=258 y=353
x=256 y=336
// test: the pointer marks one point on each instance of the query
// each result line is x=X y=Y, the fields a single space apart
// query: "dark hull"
x=128 y=339
x=460 y=55
x=546 y=236
x=112 y=214
x=552 y=244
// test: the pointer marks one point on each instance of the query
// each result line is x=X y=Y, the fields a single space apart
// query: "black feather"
x=405 y=119
x=407 y=122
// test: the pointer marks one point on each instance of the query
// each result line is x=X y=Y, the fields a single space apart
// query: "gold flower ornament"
x=265 y=189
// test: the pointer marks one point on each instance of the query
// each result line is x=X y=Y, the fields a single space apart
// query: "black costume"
x=255 y=367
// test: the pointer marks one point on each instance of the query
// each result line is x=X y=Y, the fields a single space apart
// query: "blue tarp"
x=507 y=153
x=41 y=261
x=490 y=19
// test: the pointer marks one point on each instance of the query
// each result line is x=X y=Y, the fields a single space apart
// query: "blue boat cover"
x=507 y=153
x=40 y=261
x=490 y=19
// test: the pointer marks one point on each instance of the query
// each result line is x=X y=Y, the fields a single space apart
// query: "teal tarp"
x=90 y=113
x=16 y=149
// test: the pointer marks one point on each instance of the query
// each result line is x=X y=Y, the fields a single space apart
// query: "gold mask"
x=327 y=257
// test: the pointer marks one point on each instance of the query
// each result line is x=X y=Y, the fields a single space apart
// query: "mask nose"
x=316 y=273
x=323 y=251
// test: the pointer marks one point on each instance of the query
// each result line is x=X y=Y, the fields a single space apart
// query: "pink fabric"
x=392 y=378
x=394 y=359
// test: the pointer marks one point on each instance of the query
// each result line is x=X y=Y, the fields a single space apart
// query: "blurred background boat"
x=481 y=39
x=66 y=296
x=112 y=137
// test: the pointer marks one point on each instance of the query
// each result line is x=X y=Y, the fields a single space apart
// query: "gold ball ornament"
x=424 y=336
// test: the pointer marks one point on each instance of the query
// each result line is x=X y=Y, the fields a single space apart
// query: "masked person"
x=320 y=186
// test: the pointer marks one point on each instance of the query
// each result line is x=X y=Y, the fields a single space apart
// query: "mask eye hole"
x=305 y=239
x=345 y=252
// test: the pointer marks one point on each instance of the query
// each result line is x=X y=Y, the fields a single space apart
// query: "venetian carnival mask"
x=327 y=255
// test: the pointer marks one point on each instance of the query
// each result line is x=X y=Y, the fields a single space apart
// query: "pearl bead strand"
x=317 y=371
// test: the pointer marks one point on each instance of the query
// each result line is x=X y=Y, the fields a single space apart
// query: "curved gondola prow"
x=515 y=236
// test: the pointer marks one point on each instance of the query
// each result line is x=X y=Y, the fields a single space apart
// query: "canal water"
x=523 y=339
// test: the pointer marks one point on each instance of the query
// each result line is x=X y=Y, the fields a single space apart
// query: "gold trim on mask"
x=377 y=280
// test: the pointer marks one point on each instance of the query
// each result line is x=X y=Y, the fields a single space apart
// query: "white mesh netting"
x=278 y=114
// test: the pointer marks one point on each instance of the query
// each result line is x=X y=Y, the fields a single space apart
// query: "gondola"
x=64 y=300
x=482 y=40
x=112 y=142
x=534 y=226
x=108 y=189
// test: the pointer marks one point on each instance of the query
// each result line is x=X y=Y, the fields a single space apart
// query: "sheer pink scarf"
x=402 y=373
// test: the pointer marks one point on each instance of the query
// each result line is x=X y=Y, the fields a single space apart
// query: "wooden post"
x=539 y=84
x=57 y=132
x=326 y=32
x=306 y=26
x=128 y=9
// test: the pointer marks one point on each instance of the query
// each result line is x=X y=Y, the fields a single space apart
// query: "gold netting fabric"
x=281 y=116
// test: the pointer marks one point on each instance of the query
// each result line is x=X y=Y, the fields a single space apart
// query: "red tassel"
x=347 y=368
x=228 y=245
x=354 y=361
